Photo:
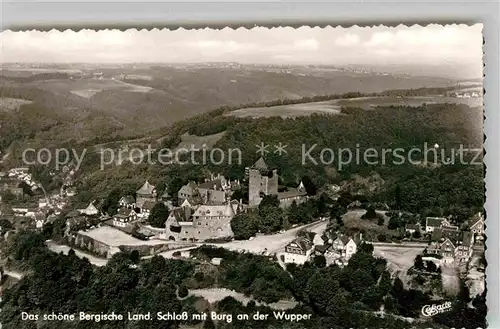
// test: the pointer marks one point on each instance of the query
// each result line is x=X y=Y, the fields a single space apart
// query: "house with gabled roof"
x=91 y=210
x=476 y=225
x=298 y=251
x=126 y=201
x=187 y=191
x=342 y=249
x=125 y=217
x=432 y=223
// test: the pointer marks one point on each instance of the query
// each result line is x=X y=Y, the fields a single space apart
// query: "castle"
x=261 y=181
x=264 y=181
x=146 y=194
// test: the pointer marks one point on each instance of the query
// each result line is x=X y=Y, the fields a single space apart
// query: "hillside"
x=69 y=104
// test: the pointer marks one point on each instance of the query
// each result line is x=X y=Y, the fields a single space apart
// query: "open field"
x=287 y=111
x=12 y=104
x=451 y=281
x=213 y=295
x=399 y=260
x=334 y=106
x=192 y=141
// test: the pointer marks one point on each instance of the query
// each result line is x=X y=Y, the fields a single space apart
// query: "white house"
x=124 y=217
x=91 y=210
x=432 y=223
x=298 y=251
x=342 y=249
x=476 y=226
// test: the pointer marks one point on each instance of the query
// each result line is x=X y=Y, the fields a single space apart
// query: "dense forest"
x=427 y=185
x=68 y=284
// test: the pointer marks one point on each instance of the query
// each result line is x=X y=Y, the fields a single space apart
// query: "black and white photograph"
x=258 y=178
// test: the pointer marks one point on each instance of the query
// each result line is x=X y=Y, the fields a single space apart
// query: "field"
x=287 y=111
x=11 y=104
x=334 y=106
x=399 y=259
x=213 y=295
x=192 y=141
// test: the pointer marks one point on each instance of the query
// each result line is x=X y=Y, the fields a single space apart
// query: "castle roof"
x=146 y=189
x=215 y=184
x=260 y=164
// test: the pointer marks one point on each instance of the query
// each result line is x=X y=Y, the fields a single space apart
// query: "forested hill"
x=68 y=109
x=427 y=187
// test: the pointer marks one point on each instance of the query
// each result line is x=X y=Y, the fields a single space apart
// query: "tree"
x=309 y=185
x=208 y=324
x=419 y=263
x=380 y=221
x=398 y=197
x=244 y=225
x=183 y=291
x=158 y=215
x=431 y=267
x=417 y=235
x=7 y=196
x=370 y=214
x=271 y=220
x=319 y=261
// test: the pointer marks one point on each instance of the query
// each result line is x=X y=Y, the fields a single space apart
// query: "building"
x=464 y=248
x=91 y=210
x=341 y=250
x=147 y=192
x=261 y=181
x=298 y=251
x=476 y=226
x=201 y=223
x=146 y=209
x=298 y=195
x=412 y=228
x=458 y=250
x=214 y=191
x=190 y=190
x=127 y=201
x=124 y=217
x=432 y=223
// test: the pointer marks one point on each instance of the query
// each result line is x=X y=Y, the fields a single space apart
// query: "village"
x=201 y=214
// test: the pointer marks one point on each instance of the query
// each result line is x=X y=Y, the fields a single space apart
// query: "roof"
x=146 y=189
x=302 y=243
x=447 y=240
x=215 y=184
x=127 y=199
x=321 y=248
x=478 y=218
x=125 y=213
x=291 y=193
x=216 y=210
x=435 y=221
x=260 y=164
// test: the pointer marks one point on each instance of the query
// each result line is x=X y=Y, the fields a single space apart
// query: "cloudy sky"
x=416 y=45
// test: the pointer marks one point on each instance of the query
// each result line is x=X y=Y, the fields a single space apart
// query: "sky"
x=434 y=45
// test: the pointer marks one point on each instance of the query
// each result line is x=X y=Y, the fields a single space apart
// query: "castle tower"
x=261 y=180
x=146 y=193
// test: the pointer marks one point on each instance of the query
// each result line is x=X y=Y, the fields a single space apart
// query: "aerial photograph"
x=263 y=178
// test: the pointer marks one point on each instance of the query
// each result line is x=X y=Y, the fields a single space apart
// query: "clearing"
x=12 y=104
x=287 y=111
x=399 y=259
x=334 y=106
x=213 y=295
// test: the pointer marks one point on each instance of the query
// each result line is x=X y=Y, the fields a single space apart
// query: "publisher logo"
x=431 y=310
